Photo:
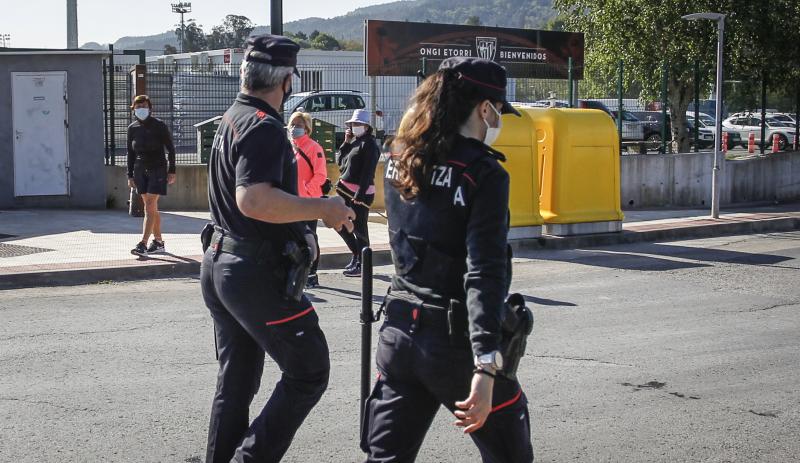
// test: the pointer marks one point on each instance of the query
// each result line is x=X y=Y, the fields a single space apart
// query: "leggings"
x=359 y=238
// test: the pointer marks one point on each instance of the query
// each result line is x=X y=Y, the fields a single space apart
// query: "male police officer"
x=250 y=271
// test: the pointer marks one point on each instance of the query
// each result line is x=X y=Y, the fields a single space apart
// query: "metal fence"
x=187 y=94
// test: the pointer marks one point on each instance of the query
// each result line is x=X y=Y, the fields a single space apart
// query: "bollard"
x=751 y=143
x=724 y=142
x=776 y=142
x=367 y=318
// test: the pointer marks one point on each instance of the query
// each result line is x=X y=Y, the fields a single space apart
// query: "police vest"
x=428 y=233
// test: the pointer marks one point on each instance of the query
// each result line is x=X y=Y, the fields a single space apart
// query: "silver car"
x=750 y=124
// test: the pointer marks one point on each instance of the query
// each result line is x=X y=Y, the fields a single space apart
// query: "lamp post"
x=182 y=8
x=715 y=187
x=276 y=17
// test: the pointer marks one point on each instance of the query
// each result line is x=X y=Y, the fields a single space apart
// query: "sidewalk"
x=50 y=247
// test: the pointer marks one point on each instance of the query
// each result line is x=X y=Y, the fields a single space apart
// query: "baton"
x=367 y=318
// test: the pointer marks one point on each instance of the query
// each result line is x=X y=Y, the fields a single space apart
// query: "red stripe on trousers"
x=510 y=402
x=288 y=319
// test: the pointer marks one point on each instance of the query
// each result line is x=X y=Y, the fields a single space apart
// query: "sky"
x=43 y=24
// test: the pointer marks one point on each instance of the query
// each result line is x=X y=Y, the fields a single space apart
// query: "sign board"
x=396 y=48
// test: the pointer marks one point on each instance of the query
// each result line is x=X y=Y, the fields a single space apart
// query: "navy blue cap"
x=275 y=50
x=487 y=76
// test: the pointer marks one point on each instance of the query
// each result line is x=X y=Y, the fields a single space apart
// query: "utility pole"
x=182 y=8
x=72 y=24
x=276 y=17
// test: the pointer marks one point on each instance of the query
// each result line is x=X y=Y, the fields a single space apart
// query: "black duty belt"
x=240 y=247
x=415 y=314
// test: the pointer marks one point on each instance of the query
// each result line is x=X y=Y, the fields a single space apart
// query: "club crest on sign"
x=486 y=46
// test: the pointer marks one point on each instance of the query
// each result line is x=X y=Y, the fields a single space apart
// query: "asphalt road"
x=683 y=351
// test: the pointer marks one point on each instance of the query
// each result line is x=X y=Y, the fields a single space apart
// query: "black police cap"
x=487 y=76
x=275 y=50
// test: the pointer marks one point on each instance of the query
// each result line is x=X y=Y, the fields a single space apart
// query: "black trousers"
x=251 y=318
x=312 y=224
x=419 y=371
x=359 y=239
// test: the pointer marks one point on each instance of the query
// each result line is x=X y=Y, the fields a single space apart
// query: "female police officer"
x=447 y=203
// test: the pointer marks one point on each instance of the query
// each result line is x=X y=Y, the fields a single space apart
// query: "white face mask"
x=493 y=132
x=358 y=130
x=141 y=113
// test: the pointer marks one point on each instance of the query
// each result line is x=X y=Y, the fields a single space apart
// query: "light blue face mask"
x=297 y=132
x=141 y=113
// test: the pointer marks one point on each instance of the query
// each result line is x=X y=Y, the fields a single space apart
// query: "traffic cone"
x=776 y=140
x=751 y=143
x=724 y=142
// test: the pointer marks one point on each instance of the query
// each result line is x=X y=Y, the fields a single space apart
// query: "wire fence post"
x=105 y=110
x=112 y=100
x=664 y=71
x=763 y=111
x=696 y=106
x=619 y=103
x=797 y=118
x=570 y=82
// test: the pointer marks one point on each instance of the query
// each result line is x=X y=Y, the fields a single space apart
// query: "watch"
x=491 y=360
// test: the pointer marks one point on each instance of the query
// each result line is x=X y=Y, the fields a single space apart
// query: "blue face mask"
x=297 y=132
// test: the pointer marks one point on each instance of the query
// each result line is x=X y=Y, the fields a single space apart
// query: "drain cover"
x=15 y=250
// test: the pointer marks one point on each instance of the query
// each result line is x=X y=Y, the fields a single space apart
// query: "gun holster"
x=205 y=236
x=516 y=326
x=298 y=260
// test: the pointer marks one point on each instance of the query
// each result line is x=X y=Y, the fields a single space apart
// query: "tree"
x=646 y=34
x=170 y=50
x=313 y=35
x=473 y=21
x=325 y=42
x=232 y=33
x=195 y=39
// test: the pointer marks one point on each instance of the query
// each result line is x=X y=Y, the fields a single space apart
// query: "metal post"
x=715 y=186
x=367 y=318
x=664 y=71
x=763 y=111
x=797 y=119
x=619 y=104
x=570 y=81
x=105 y=108
x=373 y=87
x=112 y=106
x=696 y=106
x=276 y=17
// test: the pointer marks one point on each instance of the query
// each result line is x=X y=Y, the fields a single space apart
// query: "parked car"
x=706 y=129
x=747 y=124
x=332 y=106
x=631 y=126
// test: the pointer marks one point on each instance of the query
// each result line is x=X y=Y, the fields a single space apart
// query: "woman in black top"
x=447 y=204
x=357 y=159
x=148 y=169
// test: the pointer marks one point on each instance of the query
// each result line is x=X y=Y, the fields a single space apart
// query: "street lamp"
x=715 y=187
x=182 y=8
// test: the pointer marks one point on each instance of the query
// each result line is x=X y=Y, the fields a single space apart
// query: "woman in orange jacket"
x=311 y=172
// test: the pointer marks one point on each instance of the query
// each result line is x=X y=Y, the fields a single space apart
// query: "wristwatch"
x=492 y=360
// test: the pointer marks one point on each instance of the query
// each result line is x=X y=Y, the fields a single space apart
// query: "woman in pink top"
x=311 y=172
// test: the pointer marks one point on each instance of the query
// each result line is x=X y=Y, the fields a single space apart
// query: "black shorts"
x=150 y=180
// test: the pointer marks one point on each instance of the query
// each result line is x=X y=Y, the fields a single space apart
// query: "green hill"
x=532 y=14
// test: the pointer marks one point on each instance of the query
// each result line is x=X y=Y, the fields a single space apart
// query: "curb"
x=338 y=260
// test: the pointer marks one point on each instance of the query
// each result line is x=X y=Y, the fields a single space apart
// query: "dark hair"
x=142 y=99
x=440 y=106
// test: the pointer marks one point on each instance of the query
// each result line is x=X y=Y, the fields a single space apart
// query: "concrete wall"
x=684 y=180
x=190 y=191
x=86 y=151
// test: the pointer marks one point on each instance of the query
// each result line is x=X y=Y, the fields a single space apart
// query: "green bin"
x=324 y=133
x=205 y=137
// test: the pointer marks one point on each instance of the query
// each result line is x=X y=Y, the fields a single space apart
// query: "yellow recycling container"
x=517 y=142
x=578 y=157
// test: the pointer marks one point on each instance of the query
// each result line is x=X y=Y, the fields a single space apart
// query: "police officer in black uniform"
x=254 y=265
x=447 y=203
